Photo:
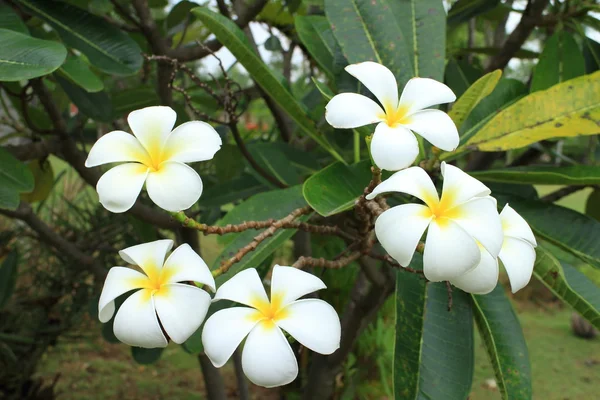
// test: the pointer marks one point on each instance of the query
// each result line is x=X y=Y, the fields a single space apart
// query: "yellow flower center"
x=267 y=313
x=155 y=280
x=396 y=115
x=443 y=210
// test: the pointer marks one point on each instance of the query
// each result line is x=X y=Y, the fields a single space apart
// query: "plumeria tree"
x=366 y=153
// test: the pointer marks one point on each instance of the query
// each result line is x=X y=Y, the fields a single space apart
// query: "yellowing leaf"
x=474 y=94
x=571 y=108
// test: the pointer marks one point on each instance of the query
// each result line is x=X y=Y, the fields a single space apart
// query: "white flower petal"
x=148 y=256
x=224 y=331
x=515 y=226
x=479 y=218
x=518 y=258
x=136 y=323
x=120 y=186
x=436 y=127
x=184 y=264
x=314 y=324
x=483 y=279
x=152 y=125
x=449 y=251
x=459 y=186
x=399 y=230
x=379 y=80
x=267 y=359
x=181 y=309
x=413 y=181
x=174 y=187
x=289 y=284
x=116 y=146
x=420 y=93
x=395 y=148
x=192 y=141
x=351 y=110
x=245 y=288
x=119 y=280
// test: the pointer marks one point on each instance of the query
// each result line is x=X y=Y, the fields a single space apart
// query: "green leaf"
x=460 y=75
x=23 y=57
x=433 y=354
x=571 y=108
x=108 y=48
x=78 y=72
x=95 y=105
x=543 y=175
x=490 y=51
x=504 y=342
x=273 y=44
x=128 y=100
x=591 y=54
x=464 y=10
x=569 y=285
x=274 y=204
x=560 y=60
x=227 y=192
x=8 y=277
x=310 y=30
x=592 y=205
x=146 y=356
x=423 y=23
x=15 y=178
x=228 y=33
x=10 y=20
x=571 y=231
x=335 y=188
x=471 y=98
x=180 y=12
x=275 y=162
x=367 y=30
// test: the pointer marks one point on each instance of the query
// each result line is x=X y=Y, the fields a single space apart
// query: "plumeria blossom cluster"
x=465 y=233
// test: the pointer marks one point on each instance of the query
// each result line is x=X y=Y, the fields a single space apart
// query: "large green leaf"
x=108 y=48
x=310 y=29
x=274 y=204
x=125 y=101
x=568 y=284
x=464 y=10
x=78 y=72
x=234 y=39
x=543 y=175
x=423 y=23
x=10 y=20
x=234 y=190
x=15 y=178
x=471 y=98
x=433 y=354
x=561 y=60
x=23 y=57
x=95 y=105
x=591 y=54
x=571 y=231
x=460 y=75
x=8 y=277
x=146 y=356
x=335 y=188
x=571 y=108
x=504 y=342
x=367 y=30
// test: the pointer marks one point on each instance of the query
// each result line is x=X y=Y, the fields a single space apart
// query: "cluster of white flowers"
x=465 y=233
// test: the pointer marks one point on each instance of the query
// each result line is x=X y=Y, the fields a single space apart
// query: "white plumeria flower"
x=517 y=256
x=180 y=307
x=394 y=146
x=464 y=216
x=267 y=358
x=153 y=155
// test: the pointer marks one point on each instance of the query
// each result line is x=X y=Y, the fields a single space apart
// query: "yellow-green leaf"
x=474 y=94
x=571 y=108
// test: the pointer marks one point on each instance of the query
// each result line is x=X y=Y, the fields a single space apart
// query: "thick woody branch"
x=394 y=263
x=564 y=192
x=34 y=150
x=48 y=236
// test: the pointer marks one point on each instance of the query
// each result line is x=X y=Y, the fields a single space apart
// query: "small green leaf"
x=471 y=98
x=234 y=39
x=10 y=20
x=273 y=44
x=80 y=74
x=336 y=188
x=464 y=10
x=146 y=356
x=108 y=48
x=128 y=100
x=15 y=178
x=95 y=105
x=592 y=205
x=561 y=60
x=504 y=342
x=571 y=108
x=543 y=175
x=23 y=57
x=8 y=277
x=569 y=285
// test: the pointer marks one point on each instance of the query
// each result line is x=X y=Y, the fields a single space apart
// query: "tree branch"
x=560 y=193
x=34 y=150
